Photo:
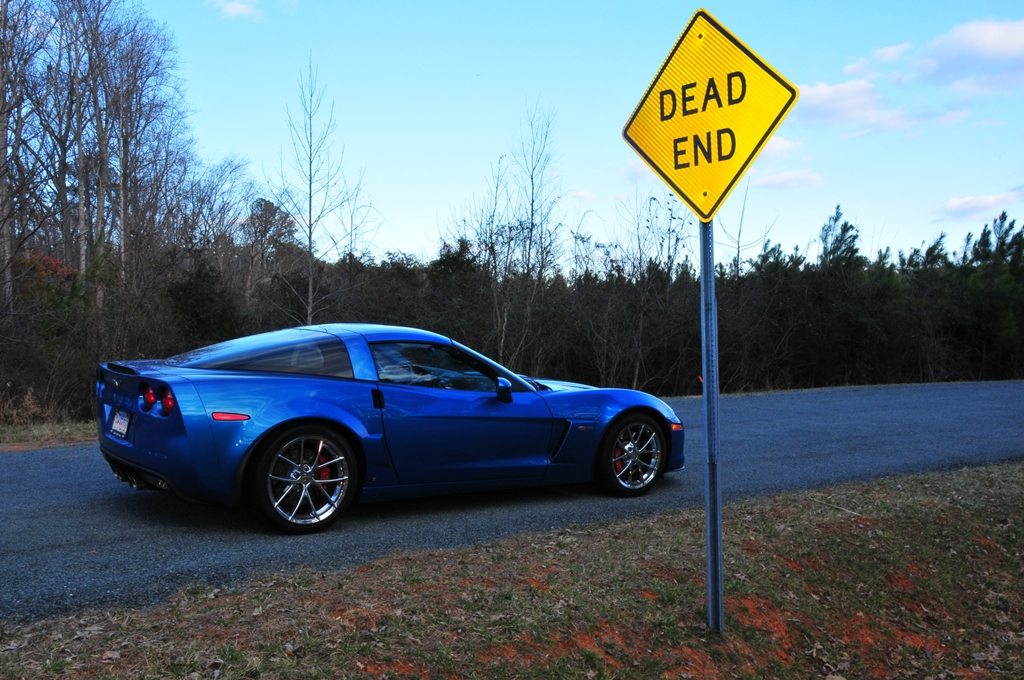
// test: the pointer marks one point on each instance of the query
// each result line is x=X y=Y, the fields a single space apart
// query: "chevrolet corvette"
x=302 y=422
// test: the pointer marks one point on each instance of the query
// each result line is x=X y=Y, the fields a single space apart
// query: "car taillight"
x=161 y=395
x=167 y=401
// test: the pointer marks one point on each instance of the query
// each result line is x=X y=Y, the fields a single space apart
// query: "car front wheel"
x=632 y=455
x=305 y=479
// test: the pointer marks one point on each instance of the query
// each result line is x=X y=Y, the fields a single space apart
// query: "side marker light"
x=229 y=417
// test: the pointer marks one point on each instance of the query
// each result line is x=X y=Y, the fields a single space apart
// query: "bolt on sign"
x=708 y=113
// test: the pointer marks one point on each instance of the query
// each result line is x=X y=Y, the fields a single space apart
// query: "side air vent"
x=559 y=430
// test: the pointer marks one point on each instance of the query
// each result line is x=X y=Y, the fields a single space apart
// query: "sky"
x=910 y=115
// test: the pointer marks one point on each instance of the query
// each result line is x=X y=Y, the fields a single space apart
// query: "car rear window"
x=315 y=356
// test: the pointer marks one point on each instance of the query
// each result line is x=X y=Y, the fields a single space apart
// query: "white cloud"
x=859 y=106
x=238 y=9
x=779 y=146
x=978 y=57
x=855 y=103
x=583 y=195
x=790 y=179
x=864 y=68
x=952 y=117
x=891 y=53
x=861 y=67
x=987 y=83
x=980 y=206
x=986 y=39
x=637 y=169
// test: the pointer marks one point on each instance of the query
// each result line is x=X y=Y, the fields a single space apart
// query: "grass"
x=19 y=437
x=916 y=577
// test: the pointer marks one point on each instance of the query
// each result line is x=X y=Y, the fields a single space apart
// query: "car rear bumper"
x=135 y=476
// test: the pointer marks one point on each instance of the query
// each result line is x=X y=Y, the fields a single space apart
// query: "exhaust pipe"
x=133 y=480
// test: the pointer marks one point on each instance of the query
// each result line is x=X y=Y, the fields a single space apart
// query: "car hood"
x=561 y=385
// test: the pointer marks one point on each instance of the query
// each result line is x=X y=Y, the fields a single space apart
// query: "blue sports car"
x=301 y=422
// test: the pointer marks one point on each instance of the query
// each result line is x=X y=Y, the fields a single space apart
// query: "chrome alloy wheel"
x=308 y=479
x=636 y=454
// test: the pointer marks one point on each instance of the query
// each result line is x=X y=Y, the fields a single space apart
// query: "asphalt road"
x=73 y=537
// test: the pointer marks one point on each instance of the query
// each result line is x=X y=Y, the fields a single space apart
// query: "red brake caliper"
x=619 y=463
x=322 y=473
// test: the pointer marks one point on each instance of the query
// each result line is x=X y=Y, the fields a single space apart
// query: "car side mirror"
x=504 y=390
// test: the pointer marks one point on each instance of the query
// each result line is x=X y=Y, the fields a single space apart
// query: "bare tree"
x=142 y=90
x=260 y=239
x=625 y=287
x=59 y=107
x=94 y=20
x=537 y=227
x=658 y=229
x=212 y=207
x=315 y=191
x=23 y=33
x=517 y=233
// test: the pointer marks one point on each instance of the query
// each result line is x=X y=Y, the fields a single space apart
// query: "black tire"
x=632 y=455
x=306 y=477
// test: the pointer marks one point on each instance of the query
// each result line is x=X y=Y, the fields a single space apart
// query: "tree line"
x=118 y=241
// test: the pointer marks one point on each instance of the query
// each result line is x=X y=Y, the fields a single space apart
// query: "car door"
x=443 y=421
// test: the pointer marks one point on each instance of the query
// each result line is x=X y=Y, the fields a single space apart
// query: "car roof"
x=228 y=350
x=381 y=333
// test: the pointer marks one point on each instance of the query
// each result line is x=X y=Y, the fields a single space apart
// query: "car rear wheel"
x=305 y=479
x=632 y=455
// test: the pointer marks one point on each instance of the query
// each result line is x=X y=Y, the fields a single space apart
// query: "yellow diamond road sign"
x=708 y=113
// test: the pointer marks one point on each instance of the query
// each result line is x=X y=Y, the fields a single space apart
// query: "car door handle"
x=378 y=398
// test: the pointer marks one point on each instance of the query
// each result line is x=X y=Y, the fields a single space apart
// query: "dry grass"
x=916 y=577
x=37 y=435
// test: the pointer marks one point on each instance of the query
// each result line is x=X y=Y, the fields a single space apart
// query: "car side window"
x=318 y=357
x=426 y=365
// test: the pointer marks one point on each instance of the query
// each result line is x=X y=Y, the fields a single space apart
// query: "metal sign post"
x=712 y=493
x=703 y=120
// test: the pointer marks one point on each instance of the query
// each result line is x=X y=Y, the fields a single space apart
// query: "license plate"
x=119 y=426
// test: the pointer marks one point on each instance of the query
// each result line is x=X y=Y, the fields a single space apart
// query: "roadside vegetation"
x=41 y=434
x=117 y=241
x=912 y=577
